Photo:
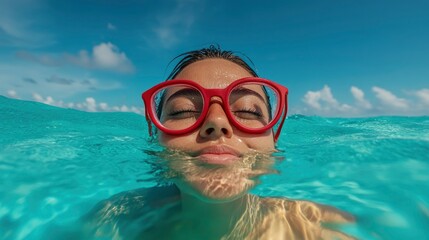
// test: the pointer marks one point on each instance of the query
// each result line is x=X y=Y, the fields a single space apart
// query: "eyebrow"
x=186 y=92
x=190 y=92
x=246 y=91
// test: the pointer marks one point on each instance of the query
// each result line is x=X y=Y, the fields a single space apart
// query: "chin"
x=217 y=182
x=210 y=188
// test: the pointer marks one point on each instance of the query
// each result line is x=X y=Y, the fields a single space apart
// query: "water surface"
x=56 y=164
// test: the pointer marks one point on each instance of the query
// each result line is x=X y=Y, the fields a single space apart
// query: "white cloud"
x=104 y=56
x=12 y=94
x=324 y=103
x=423 y=95
x=136 y=110
x=359 y=96
x=108 y=56
x=48 y=100
x=103 y=106
x=89 y=105
x=312 y=99
x=388 y=99
x=38 y=97
x=27 y=78
x=124 y=108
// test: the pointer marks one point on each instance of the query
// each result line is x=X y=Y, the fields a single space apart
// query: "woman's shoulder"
x=312 y=211
x=135 y=202
x=298 y=219
x=124 y=214
x=128 y=213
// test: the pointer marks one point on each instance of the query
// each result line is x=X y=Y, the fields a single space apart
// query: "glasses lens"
x=178 y=107
x=254 y=105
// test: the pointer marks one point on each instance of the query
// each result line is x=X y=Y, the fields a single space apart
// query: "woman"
x=216 y=118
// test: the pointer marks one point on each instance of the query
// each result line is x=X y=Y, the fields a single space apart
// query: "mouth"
x=220 y=155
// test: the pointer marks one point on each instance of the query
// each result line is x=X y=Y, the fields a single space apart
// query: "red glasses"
x=252 y=105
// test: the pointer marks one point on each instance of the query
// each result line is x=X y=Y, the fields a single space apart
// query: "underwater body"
x=57 y=164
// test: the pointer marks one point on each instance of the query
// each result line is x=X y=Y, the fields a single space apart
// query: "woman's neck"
x=212 y=219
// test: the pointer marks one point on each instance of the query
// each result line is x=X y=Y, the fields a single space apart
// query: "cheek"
x=176 y=142
x=262 y=143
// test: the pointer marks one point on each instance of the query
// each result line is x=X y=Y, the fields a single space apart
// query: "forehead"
x=213 y=73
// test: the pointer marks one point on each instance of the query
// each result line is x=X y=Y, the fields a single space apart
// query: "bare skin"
x=216 y=130
x=210 y=201
x=203 y=192
x=125 y=216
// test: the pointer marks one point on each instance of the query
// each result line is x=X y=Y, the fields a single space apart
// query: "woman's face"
x=216 y=130
x=217 y=141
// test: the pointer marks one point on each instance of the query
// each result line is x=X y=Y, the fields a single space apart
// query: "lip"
x=218 y=154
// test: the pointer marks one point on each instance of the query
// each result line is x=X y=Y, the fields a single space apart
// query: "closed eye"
x=183 y=114
x=249 y=114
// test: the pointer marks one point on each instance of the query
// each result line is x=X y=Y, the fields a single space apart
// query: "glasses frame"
x=208 y=94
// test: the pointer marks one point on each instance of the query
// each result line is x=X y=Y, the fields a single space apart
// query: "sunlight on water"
x=57 y=164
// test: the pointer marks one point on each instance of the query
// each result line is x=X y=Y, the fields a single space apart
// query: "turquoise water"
x=56 y=164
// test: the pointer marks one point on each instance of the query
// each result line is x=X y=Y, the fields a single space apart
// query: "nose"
x=216 y=123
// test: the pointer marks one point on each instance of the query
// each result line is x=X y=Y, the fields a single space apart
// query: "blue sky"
x=338 y=58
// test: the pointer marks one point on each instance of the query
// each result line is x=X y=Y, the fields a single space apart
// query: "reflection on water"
x=164 y=213
x=216 y=182
x=56 y=164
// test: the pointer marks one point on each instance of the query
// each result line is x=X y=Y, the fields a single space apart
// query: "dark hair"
x=211 y=52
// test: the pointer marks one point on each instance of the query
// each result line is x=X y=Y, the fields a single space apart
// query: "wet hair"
x=213 y=51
